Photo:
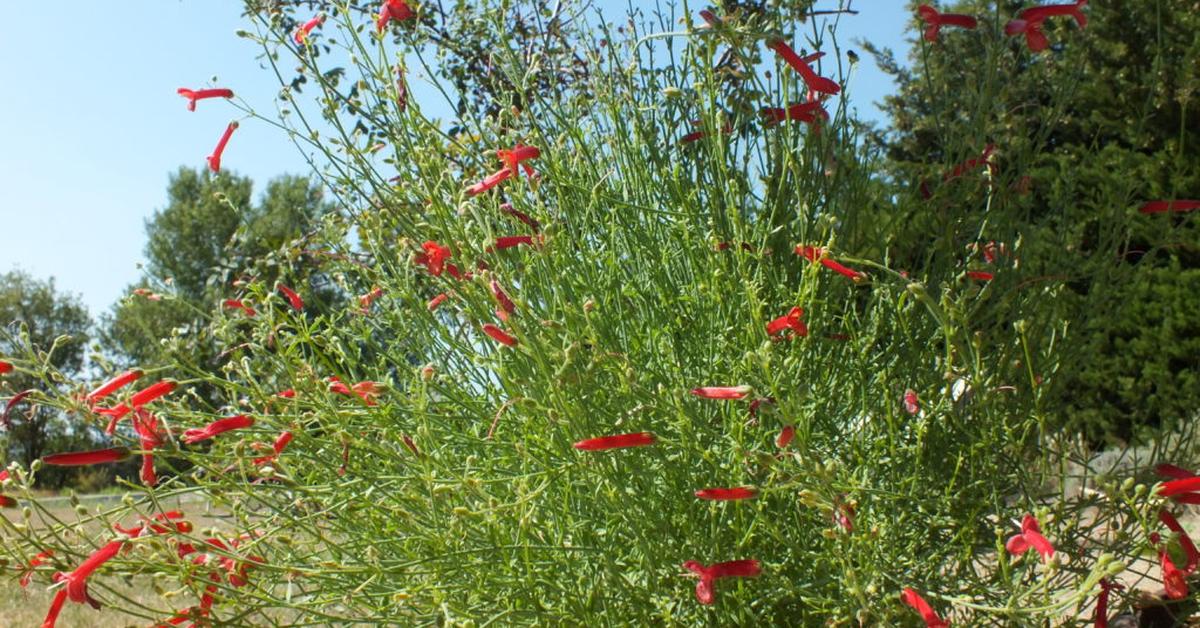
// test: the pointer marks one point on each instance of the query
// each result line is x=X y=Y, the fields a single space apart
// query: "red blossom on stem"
x=152 y=392
x=1030 y=538
x=12 y=403
x=505 y=303
x=499 y=335
x=489 y=182
x=1160 y=207
x=281 y=442
x=436 y=301
x=80 y=458
x=918 y=603
x=790 y=321
x=294 y=299
x=112 y=385
x=220 y=426
x=725 y=129
x=785 y=436
x=507 y=208
x=980 y=275
x=934 y=21
x=705 y=591
x=149 y=294
x=397 y=10
x=1029 y=22
x=1189 y=548
x=818 y=254
x=237 y=304
x=40 y=559
x=365 y=301
x=5 y=367
x=602 y=443
x=807 y=74
x=722 y=392
x=726 y=494
x=214 y=160
x=1102 y=601
x=516 y=156
x=1174 y=580
x=434 y=257
x=808 y=112
x=147 y=427
x=912 y=404
x=76 y=581
x=508 y=242
x=194 y=95
x=306 y=29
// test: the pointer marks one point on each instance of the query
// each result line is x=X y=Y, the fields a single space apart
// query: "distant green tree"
x=1107 y=108
x=37 y=318
x=207 y=236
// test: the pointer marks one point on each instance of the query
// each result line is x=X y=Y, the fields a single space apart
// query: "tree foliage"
x=1106 y=112
x=35 y=316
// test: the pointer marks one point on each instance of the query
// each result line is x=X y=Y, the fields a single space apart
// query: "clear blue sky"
x=91 y=125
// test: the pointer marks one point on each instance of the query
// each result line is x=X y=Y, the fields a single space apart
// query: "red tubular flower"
x=791 y=321
x=1172 y=471
x=934 y=21
x=843 y=515
x=367 y=391
x=12 y=403
x=147 y=427
x=807 y=74
x=1159 y=207
x=434 y=258
x=918 y=603
x=785 y=436
x=1102 y=601
x=506 y=304
x=1174 y=580
x=807 y=112
x=306 y=29
x=237 y=304
x=1030 y=537
x=396 y=10
x=722 y=392
x=817 y=254
x=499 y=335
x=219 y=426
x=436 y=301
x=516 y=156
x=152 y=392
x=489 y=182
x=1184 y=485
x=293 y=299
x=149 y=524
x=5 y=367
x=365 y=301
x=40 y=559
x=507 y=208
x=912 y=404
x=113 y=385
x=727 y=494
x=76 y=587
x=980 y=275
x=286 y=394
x=194 y=95
x=214 y=160
x=602 y=443
x=1029 y=22
x=726 y=129
x=55 y=608
x=150 y=295
x=508 y=242
x=281 y=442
x=705 y=591
x=80 y=458
x=1189 y=548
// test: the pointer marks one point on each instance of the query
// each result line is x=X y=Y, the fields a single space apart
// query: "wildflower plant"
x=568 y=395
